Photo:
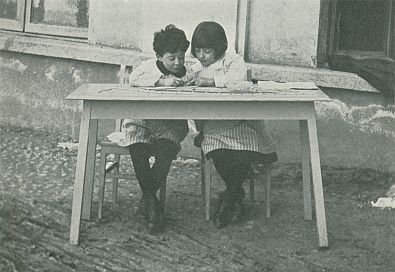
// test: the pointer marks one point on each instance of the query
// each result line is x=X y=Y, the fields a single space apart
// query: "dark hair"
x=171 y=39
x=209 y=35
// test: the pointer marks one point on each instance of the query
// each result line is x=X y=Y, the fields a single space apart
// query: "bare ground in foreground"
x=36 y=182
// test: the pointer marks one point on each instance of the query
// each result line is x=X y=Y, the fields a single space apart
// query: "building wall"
x=132 y=23
x=116 y=23
x=34 y=88
x=354 y=129
x=284 y=32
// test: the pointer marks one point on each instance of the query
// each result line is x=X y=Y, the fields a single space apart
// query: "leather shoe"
x=141 y=210
x=230 y=209
x=154 y=213
x=223 y=214
x=238 y=212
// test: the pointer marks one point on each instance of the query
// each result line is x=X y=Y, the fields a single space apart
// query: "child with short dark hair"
x=159 y=138
x=233 y=145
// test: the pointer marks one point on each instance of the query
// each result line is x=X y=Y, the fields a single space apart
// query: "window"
x=11 y=14
x=52 y=17
x=360 y=39
x=362 y=28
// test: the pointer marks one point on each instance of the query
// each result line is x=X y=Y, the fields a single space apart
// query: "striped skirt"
x=147 y=131
x=237 y=135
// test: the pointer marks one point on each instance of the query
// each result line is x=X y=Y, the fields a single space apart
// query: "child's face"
x=206 y=56
x=173 y=61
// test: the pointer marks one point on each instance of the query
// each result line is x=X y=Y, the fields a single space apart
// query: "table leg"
x=317 y=182
x=90 y=170
x=207 y=188
x=87 y=128
x=305 y=154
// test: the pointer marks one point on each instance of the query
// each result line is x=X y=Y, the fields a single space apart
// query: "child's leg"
x=140 y=154
x=165 y=151
x=233 y=168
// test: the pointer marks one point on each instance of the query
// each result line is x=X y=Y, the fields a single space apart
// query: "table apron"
x=226 y=110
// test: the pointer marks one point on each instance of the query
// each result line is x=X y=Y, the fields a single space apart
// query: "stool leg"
x=252 y=184
x=102 y=179
x=117 y=159
x=268 y=183
x=207 y=197
x=203 y=176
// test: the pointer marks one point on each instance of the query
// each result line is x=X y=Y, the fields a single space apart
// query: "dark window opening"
x=362 y=25
x=360 y=38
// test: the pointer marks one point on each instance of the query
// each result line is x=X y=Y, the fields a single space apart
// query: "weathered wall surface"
x=187 y=15
x=116 y=23
x=33 y=90
x=349 y=136
x=284 y=32
x=131 y=24
x=353 y=131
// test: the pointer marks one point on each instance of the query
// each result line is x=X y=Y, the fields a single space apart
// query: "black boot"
x=154 y=213
x=239 y=211
x=230 y=208
x=222 y=216
x=141 y=209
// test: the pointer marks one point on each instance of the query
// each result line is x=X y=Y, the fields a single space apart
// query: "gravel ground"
x=36 y=183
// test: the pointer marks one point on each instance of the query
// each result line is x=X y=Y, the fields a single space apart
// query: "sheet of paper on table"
x=186 y=89
x=263 y=87
x=272 y=85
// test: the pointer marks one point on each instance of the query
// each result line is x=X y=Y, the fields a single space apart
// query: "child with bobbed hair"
x=233 y=145
x=159 y=138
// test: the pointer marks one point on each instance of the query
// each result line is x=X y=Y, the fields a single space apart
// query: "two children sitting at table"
x=233 y=145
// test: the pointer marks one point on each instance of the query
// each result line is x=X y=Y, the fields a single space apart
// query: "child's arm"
x=148 y=74
x=144 y=75
x=205 y=82
x=190 y=77
x=235 y=70
x=169 y=81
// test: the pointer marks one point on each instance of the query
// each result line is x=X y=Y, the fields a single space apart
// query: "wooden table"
x=114 y=101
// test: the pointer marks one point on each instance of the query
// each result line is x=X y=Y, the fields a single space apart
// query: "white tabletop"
x=110 y=92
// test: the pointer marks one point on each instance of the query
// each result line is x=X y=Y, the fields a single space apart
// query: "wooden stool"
x=208 y=172
x=112 y=170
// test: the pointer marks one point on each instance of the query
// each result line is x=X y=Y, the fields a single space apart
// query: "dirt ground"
x=36 y=184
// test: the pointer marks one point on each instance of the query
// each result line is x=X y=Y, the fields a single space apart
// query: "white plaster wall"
x=115 y=23
x=284 y=31
x=132 y=23
x=186 y=14
x=281 y=31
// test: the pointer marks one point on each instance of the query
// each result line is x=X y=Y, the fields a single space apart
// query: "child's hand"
x=204 y=82
x=188 y=79
x=169 y=81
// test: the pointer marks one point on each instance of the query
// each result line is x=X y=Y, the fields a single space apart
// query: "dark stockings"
x=150 y=178
x=233 y=168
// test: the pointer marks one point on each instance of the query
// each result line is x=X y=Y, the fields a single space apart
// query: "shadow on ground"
x=36 y=183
